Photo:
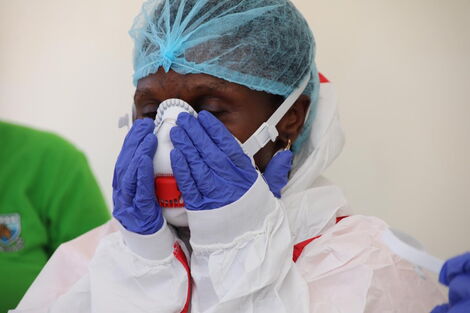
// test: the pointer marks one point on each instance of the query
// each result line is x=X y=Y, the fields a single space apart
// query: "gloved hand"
x=209 y=165
x=277 y=171
x=135 y=204
x=456 y=275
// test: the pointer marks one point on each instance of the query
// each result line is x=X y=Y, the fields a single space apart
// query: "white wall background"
x=401 y=68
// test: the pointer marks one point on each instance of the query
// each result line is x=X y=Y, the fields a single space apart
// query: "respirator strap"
x=267 y=131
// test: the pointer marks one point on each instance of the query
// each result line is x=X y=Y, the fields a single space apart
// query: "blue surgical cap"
x=265 y=45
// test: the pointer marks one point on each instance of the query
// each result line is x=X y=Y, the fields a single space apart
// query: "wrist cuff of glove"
x=157 y=246
x=223 y=225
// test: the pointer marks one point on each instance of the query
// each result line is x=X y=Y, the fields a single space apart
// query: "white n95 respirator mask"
x=168 y=195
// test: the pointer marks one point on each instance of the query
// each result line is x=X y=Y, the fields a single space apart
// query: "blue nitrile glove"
x=456 y=275
x=135 y=204
x=276 y=173
x=209 y=165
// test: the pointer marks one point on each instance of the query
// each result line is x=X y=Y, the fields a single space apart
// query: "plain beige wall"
x=401 y=68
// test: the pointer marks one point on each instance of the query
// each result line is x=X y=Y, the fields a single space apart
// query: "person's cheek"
x=241 y=128
x=234 y=127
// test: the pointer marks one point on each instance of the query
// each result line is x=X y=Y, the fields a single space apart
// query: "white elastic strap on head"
x=267 y=131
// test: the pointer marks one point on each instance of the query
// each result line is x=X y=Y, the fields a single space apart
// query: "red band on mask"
x=167 y=192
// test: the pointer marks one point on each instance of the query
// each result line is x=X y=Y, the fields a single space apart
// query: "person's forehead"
x=187 y=83
x=172 y=78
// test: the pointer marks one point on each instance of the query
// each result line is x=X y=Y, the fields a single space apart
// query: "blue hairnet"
x=265 y=45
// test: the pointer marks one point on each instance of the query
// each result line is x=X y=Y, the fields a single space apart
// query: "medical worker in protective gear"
x=261 y=229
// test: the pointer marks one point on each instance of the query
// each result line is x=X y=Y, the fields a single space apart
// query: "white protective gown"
x=242 y=256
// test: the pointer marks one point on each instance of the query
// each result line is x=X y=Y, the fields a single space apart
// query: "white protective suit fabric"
x=242 y=255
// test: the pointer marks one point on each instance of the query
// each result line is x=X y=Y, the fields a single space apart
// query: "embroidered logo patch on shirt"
x=10 y=230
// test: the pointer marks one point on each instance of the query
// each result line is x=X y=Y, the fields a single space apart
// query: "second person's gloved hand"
x=456 y=275
x=209 y=165
x=135 y=204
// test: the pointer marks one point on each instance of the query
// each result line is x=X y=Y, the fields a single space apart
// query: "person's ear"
x=291 y=124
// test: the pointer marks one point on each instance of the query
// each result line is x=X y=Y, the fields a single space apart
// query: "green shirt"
x=48 y=195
